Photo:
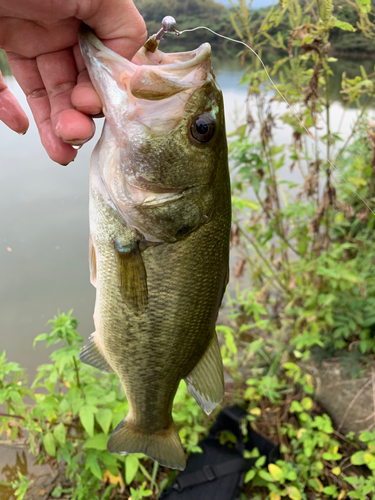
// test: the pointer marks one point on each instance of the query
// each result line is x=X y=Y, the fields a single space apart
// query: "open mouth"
x=150 y=75
x=183 y=61
x=132 y=88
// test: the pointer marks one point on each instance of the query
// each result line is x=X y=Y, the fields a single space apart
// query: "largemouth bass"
x=160 y=218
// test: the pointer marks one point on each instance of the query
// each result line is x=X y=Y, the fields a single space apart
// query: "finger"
x=27 y=74
x=117 y=23
x=31 y=38
x=122 y=29
x=59 y=74
x=84 y=96
x=11 y=112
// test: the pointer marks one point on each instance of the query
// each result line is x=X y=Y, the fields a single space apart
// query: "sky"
x=257 y=4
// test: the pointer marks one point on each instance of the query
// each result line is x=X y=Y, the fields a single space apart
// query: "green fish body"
x=160 y=218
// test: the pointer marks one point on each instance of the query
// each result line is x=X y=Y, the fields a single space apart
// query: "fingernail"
x=76 y=142
x=66 y=164
x=90 y=111
x=22 y=133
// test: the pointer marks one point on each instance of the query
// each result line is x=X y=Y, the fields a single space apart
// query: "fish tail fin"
x=163 y=446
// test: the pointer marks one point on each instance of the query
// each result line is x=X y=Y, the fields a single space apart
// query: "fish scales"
x=160 y=218
x=172 y=275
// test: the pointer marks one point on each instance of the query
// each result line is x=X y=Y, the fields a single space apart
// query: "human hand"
x=41 y=42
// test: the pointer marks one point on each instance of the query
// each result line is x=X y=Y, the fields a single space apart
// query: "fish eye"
x=202 y=127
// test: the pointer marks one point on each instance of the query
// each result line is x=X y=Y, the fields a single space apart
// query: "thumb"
x=117 y=23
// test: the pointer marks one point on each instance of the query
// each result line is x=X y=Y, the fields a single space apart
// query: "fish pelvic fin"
x=93 y=356
x=133 y=277
x=163 y=446
x=206 y=381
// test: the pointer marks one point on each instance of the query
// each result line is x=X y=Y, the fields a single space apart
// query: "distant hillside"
x=192 y=13
x=188 y=14
x=152 y=10
x=257 y=4
x=342 y=41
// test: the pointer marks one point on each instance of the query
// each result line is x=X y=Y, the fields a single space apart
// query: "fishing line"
x=178 y=33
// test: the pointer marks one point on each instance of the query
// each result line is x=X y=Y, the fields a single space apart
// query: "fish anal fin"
x=206 y=381
x=93 y=356
x=92 y=261
x=163 y=446
x=133 y=277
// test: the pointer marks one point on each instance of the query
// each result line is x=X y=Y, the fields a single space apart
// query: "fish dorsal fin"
x=92 y=261
x=133 y=277
x=206 y=381
x=93 y=356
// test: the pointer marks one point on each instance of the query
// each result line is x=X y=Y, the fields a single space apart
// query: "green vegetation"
x=192 y=13
x=4 y=66
x=188 y=14
x=216 y=16
x=74 y=410
x=303 y=288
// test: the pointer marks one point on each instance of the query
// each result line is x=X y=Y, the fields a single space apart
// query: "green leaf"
x=367 y=436
x=57 y=492
x=266 y=476
x=49 y=444
x=93 y=466
x=330 y=490
x=86 y=414
x=250 y=475
x=276 y=472
x=358 y=458
x=104 y=419
x=316 y=484
x=331 y=456
x=344 y=26
x=60 y=433
x=38 y=338
x=15 y=396
x=98 y=442
x=364 y=5
x=261 y=461
x=242 y=203
x=131 y=468
x=293 y=493
x=352 y=480
x=295 y=407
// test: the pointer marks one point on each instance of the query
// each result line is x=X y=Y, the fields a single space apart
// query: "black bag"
x=219 y=471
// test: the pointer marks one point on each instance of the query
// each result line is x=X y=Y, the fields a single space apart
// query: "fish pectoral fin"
x=92 y=261
x=133 y=277
x=92 y=355
x=206 y=381
x=163 y=446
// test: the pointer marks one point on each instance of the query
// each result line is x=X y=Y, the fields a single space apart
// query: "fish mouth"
x=179 y=60
x=149 y=76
